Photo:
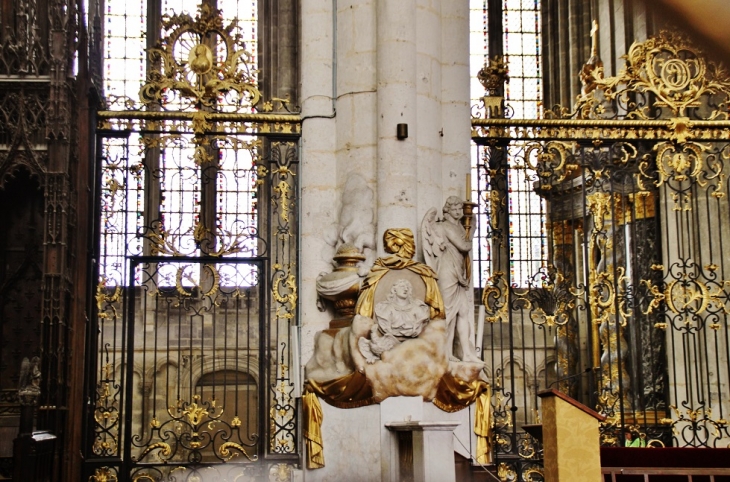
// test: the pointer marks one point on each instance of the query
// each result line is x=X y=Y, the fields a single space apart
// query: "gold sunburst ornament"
x=199 y=62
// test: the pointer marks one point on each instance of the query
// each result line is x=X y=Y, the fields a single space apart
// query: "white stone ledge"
x=421 y=426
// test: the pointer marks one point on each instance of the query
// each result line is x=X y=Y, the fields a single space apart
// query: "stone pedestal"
x=425 y=451
x=364 y=444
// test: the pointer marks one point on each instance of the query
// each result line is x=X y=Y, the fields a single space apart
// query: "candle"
x=468 y=187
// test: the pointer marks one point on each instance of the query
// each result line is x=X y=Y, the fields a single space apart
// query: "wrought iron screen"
x=197 y=269
x=630 y=313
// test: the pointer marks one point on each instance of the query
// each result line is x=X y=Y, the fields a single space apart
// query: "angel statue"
x=399 y=317
x=446 y=247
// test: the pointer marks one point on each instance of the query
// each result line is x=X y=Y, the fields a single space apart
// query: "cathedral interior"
x=197 y=195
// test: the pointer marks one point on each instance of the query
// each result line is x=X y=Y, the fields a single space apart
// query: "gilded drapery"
x=454 y=394
x=353 y=391
x=350 y=391
x=313 y=430
x=483 y=427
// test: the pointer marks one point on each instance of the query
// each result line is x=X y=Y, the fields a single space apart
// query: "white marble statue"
x=355 y=225
x=399 y=317
x=446 y=248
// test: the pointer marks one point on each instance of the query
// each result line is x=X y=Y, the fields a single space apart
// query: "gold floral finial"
x=494 y=76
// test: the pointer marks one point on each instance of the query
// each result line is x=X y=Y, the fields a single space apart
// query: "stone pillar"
x=369 y=65
x=422 y=81
x=318 y=161
x=397 y=167
x=455 y=132
x=356 y=90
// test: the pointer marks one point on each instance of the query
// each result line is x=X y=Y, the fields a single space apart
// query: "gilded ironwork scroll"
x=198 y=267
x=630 y=312
x=283 y=170
x=202 y=62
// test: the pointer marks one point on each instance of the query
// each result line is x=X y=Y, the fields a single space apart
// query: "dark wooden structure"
x=47 y=100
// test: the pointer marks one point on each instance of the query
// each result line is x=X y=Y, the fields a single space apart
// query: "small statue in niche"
x=446 y=248
x=29 y=385
x=399 y=317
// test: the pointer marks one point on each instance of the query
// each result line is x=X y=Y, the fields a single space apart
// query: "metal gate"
x=191 y=360
x=193 y=342
x=604 y=254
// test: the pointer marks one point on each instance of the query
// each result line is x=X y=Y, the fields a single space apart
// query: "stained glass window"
x=521 y=43
x=156 y=180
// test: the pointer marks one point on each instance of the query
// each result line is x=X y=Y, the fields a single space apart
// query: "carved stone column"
x=397 y=79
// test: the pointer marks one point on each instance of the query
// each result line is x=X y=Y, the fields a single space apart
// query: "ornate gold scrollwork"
x=287 y=301
x=549 y=299
x=189 y=68
x=191 y=427
x=144 y=478
x=106 y=301
x=201 y=122
x=284 y=188
x=698 y=422
x=194 y=411
x=506 y=473
x=687 y=161
x=668 y=67
x=532 y=472
x=550 y=162
x=162 y=242
x=225 y=451
x=226 y=241
x=687 y=296
x=103 y=474
x=261 y=173
x=187 y=291
x=603 y=290
x=682 y=127
x=526 y=449
x=164 y=450
x=502 y=415
x=679 y=165
x=494 y=298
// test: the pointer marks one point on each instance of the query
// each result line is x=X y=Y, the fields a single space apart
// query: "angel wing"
x=434 y=240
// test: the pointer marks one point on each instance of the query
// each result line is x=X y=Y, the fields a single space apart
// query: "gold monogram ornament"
x=670 y=69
